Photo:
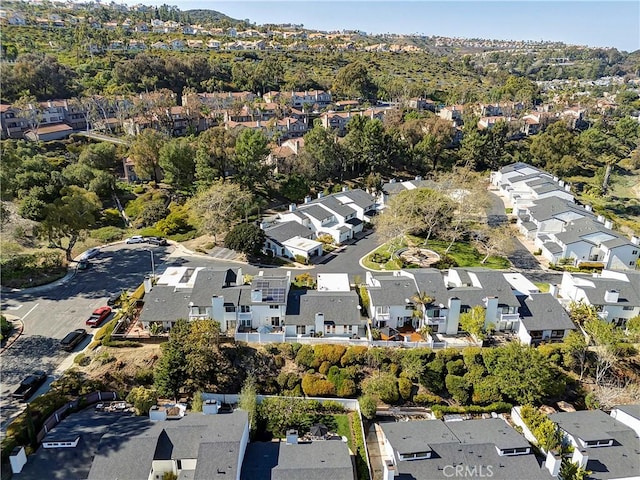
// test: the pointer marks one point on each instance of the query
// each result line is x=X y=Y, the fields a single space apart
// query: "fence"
x=57 y=416
x=518 y=420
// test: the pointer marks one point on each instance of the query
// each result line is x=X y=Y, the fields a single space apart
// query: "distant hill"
x=209 y=16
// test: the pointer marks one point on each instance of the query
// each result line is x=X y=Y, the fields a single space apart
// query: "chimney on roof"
x=148 y=285
x=553 y=462
x=580 y=457
x=567 y=187
x=611 y=296
x=210 y=407
x=588 y=208
x=292 y=207
x=389 y=470
x=307 y=199
x=292 y=437
x=320 y=194
x=635 y=240
x=256 y=295
x=600 y=219
x=418 y=178
x=345 y=188
x=608 y=224
x=18 y=459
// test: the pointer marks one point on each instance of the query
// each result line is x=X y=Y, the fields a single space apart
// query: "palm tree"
x=573 y=471
x=421 y=300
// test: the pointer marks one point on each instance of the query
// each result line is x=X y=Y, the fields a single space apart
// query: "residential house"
x=393 y=187
x=48 y=133
x=219 y=294
x=291 y=239
x=542 y=319
x=452 y=113
x=324 y=313
x=629 y=415
x=159 y=46
x=549 y=215
x=137 y=45
x=614 y=294
x=298 y=459
x=11 y=122
x=320 y=98
x=286 y=150
x=602 y=444
x=177 y=44
x=197 y=446
x=340 y=215
x=221 y=100
x=433 y=449
x=521 y=184
x=489 y=122
x=213 y=44
x=506 y=298
x=420 y=104
x=99 y=445
x=586 y=240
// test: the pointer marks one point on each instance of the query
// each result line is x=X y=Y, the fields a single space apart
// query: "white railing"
x=256 y=337
x=436 y=320
x=509 y=317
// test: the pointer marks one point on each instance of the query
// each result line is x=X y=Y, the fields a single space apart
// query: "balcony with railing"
x=509 y=317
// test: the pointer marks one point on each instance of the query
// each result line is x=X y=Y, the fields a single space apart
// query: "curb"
x=17 y=332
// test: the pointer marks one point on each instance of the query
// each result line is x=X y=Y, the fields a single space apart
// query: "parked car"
x=83 y=264
x=72 y=339
x=98 y=316
x=29 y=385
x=157 y=241
x=92 y=252
x=113 y=299
x=135 y=239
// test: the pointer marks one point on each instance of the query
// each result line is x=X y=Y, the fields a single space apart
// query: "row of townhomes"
x=267 y=309
x=548 y=214
x=282 y=116
x=212 y=445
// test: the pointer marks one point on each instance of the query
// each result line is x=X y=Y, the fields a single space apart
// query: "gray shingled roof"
x=338 y=307
x=541 y=311
x=633 y=410
x=333 y=204
x=392 y=290
x=283 y=231
x=319 y=460
x=358 y=196
x=469 y=442
x=627 y=294
x=546 y=208
x=617 y=461
x=163 y=303
x=315 y=211
x=211 y=282
x=259 y=459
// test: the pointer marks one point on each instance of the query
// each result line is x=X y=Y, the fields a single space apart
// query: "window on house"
x=627 y=308
x=301 y=329
x=635 y=252
x=230 y=309
x=274 y=307
x=245 y=308
x=245 y=322
x=557 y=333
x=275 y=321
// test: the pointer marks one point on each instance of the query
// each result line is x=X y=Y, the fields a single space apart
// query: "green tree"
x=576 y=347
x=555 y=149
x=472 y=321
x=145 y=152
x=250 y=154
x=142 y=399
x=214 y=157
x=248 y=401
x=573 y=471
x=368 y=406
x=323 y=154
x=383 y=387
x=220 y=206
x=68 y=216
x=246 y=238
x=99 y=155
x=176 y=158
x=458 y=388
x=354 y=81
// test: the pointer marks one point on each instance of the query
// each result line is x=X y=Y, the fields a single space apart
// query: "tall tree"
x=67 y=217
x=145 y=152
x=176 y=158
x=221 y=206
x=354 y=81
x=250 y=155
x=215 y=153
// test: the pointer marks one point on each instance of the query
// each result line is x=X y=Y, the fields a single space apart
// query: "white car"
x=92 y=252
x=135 y=239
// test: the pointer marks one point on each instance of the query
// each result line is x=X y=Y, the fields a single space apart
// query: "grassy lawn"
x=544 y=287
x=463 y=254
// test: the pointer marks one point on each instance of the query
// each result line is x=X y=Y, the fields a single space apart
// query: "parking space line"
x=32 y=309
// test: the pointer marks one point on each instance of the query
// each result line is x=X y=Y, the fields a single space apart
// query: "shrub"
x=82 y=360
x=301 y=259
x=142 y=399
x=368 y=406
x=331 y=406
x=498 y=407
x=5 y=327
x=384 y=387
x=108 y=234
x=144 y=376
x=328 y=353
x=458 y=388
x=356 y=355
x=405 y=387
x=347 y=389
x=314 y=386
x=427 y=399
x=111 y=217
x=455 y=367
x=305 y=356
x=324 y=367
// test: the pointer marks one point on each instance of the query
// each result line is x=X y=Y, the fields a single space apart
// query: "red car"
x=98 y=316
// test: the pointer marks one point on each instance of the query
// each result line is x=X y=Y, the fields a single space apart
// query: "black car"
x=157 y=241
x=29 y=385
x=72 y=339
x=113 y=299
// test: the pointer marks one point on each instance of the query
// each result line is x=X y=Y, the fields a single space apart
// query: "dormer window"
x=598 y=443
x=414 y=455
x=513 y=451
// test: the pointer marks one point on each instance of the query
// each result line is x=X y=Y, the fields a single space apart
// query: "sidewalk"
x=18 y=328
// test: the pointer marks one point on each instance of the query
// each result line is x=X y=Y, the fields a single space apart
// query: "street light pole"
x=153 y=265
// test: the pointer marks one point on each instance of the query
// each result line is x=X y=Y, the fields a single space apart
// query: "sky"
x=603 y=23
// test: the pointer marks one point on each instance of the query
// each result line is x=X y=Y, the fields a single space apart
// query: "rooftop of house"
x=392 y=290
x=620 y=460
x=341 y=308
x=316 y=212
x=214 y=440
x=525 y=168
x=595 y=289
x=632 y=410
x=210 y=282
x=469 y=442
x=318 y=460
x=552 y=207
x=542 y=311
x=334 y=205
x=164 y=303
x=357 y=196
x=60 y=127
x=283 y=231
x=588 y=230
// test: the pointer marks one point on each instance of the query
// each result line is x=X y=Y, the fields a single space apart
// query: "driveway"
x=496 y=214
